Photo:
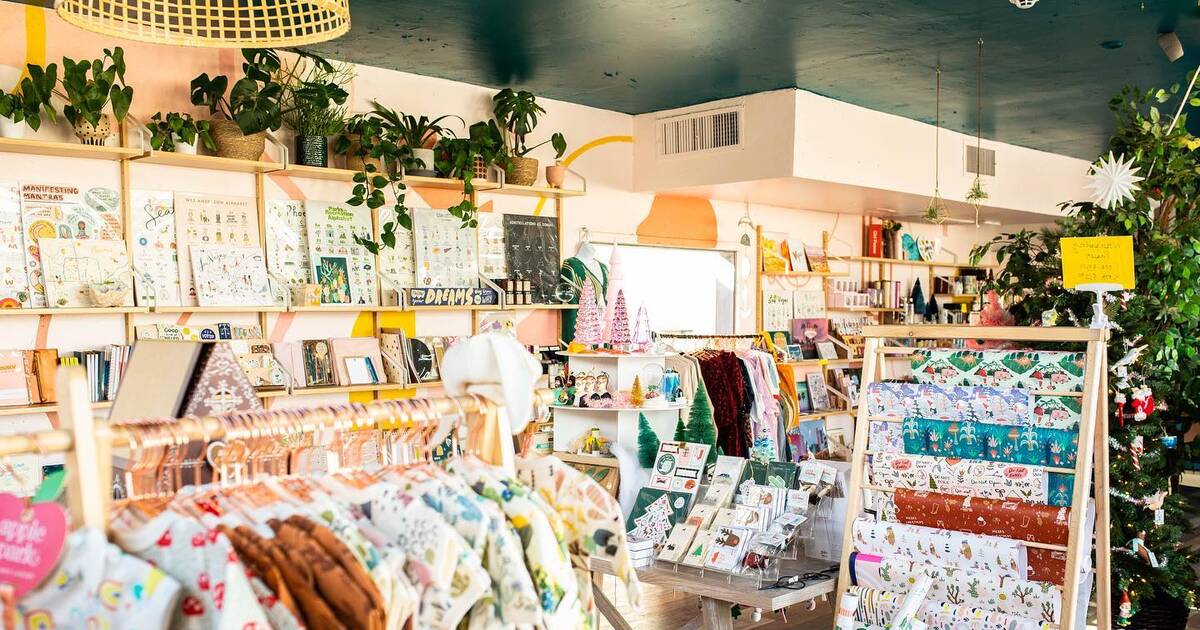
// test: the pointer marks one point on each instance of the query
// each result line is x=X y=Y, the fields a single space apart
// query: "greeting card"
x=344 y=269
x=154 y=253
x=210 y=220
x=71 y=266
x=444 y=251
x=778 y=308
x=64 y=212
x=808 y=304
x=14 y=282
x=491 y=245
x=287 y=242
x=228 y=275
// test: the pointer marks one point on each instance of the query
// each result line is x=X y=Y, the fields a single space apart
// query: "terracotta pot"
x=524 y=171
x=480 y=168
x=556 y=175
x=10 y=129
x=94 y=135
x=232 y=143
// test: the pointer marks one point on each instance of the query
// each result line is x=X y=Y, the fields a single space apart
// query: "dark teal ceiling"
x=1046 y=77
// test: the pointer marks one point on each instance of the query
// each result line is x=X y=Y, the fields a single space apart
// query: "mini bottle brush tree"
x=647 y=442
x=1160 y=316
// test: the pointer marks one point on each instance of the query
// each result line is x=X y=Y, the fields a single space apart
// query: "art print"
x=72 y=267
x=444 y=251
x=155 y=257
x=531 y=253
x=396 y=263
x=210 y=220
x=808 y=305
x=14 y=281
x=777 y=310
x=64 y=212
x=492 y=254
x=817 y=391
x=331 y=231
x=333 y=276
x=287 y=242
x=228 y=275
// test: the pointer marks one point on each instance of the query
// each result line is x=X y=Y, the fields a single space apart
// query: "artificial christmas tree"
x=700 y=427
x=616 y=282
x=641 y=337
x=647 y=442
x=618 y=328
x=587 y=325
x=637 y=397
x=1154 y=352
x=680 y=431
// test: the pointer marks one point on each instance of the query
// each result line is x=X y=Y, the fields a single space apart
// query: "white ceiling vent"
x=979 y=160
x=698 y=131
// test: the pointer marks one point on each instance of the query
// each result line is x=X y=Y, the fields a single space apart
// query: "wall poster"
x=531 y=253
x=343 y=268
x=64 y=211
x=210 y=220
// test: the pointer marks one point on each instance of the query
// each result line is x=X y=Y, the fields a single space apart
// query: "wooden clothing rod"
x=1002 y=333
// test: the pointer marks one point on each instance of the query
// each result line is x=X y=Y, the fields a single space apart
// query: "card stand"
x=281 y=291
x=143 y=290
x=391 y=291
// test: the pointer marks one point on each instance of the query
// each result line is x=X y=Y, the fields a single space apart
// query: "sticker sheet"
x=210 y=220
x=155 y=256
x=958 y=587
x=73 y=265
x=655 y=512
x=989 y=480
x=1001 y=405
x=946 y=548
x=287 y=242
x=878 y=608
x=14 y=282
x=993 y=442
x=444 y=251
x=334 y=255
x=228 y=275
x=678 y=466
x=1030 y=369
x=396 y=263
x=1011 y=518
x=64 y=211
x=777 y=310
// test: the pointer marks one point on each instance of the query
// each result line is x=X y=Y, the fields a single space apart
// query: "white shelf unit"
x=620 y=426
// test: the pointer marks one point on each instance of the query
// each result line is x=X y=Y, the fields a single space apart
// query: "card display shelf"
x=66 y=149
x=86 y=310
x=19 y=410
x=806 y=274
x=910 y=263
x=218 y=309
x=468 y=307
x=535 y=191
x=207 y=162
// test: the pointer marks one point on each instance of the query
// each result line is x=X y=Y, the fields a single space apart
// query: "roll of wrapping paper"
x=1011 y=518
x=878 y=608
x=999 y=405
x=1030 y=369
x=1025 y=444
x=960 y=550
x=959 y=587
x=968 y=477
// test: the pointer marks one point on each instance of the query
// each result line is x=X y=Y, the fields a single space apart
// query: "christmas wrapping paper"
x=878 y=607
x=1010 y=518
x=999 y=405
x=993 y=442
x=947 y=548
x=1030 y=369
x=958 y=587
x=969 y=477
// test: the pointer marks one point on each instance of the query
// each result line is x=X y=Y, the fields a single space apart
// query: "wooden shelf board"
x=541 y=307
x=445 y=183
x=345 y=308
x=536 y=191
x=341 y=389
x=24 y=409
x=218 y=309
x=89 y=310
x=806 y=274
x=814 y=415
x=207 y=162
x=66 y=149
x=606 y=355
x=672 y=407
x=955 y=299
x=576 y=458
x=909 y=263
x=817 y=362
x=476 y=307
x=347 y=175
x=863 y=309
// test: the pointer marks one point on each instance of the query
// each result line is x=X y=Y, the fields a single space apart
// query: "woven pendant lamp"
x=212 y=23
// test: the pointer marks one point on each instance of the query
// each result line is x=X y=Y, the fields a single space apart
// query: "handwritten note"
x=1098 y=260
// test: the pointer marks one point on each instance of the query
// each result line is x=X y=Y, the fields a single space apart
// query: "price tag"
x=1160 y=517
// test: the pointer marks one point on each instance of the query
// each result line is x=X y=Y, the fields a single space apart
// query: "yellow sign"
x=1097 y=260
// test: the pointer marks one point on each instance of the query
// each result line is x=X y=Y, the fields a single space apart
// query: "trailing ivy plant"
x=372 y=137
x=90 y=86
x=456 y=157
x=1162 y=314
x=31 y=97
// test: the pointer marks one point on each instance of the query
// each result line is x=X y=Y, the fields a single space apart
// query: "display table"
x=717 y=593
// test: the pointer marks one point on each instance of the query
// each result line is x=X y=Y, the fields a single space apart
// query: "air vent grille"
x=980 y=161
x=700 y=131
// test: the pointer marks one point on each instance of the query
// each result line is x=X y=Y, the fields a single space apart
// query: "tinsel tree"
x=1153 y=352
x=637 y=397
x=647 y=442
x=700 y=427
x=618 y=328
x=587 y=324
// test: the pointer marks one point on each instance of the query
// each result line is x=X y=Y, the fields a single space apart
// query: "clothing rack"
x=1091 y=458
x=89 y=443
x=719 y=342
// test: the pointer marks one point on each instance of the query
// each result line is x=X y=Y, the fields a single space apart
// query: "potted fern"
x=309 y=112
x=89 y=87
x=23 y=107
x=518 y=112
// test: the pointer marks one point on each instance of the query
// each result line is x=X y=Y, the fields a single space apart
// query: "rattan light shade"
x=212 y=23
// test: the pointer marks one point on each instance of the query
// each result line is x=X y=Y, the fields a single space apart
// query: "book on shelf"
x=104 y=368
x=874 y=240
x=357 y=360
x=27 y=377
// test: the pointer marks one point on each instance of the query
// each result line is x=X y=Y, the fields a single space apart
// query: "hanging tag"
x=31 y=541
x=1160 y=517
x=51 y=488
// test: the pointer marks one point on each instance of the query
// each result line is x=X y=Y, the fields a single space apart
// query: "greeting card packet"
x=727 y=548
x=678 y=543
x=698 y=553
x=702 y=516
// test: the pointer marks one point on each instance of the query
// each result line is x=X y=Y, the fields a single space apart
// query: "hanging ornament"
x=1119 y=399
x=1136 y=448
x=1113 y=181
x=1143 y=404
x=1125 y=613
x=1139 y=548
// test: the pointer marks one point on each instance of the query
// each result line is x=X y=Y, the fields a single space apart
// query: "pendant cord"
x=978 y=106
x=937 y=128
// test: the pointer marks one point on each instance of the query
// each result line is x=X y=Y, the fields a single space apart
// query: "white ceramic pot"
x=10 y=129
x=184 y=148
x=426 y=158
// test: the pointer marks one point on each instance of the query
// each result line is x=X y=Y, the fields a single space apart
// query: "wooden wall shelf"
x=910 y=263
x=535 y=191
x=66 y=149
x=20 y=410
x=207 y=162
x=90 y=310
x=806 y=274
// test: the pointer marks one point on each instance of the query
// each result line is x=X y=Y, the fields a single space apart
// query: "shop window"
x=684 y=290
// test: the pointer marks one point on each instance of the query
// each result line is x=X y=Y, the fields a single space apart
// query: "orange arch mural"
x=679 y=222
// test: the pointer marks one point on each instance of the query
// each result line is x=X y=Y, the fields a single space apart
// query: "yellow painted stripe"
x=35 y=38
x=601 y=141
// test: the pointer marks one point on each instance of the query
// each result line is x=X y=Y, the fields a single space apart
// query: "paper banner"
x=957 y=587
x=947 y=548
x=1015 y=519
x=1030 y=369
x=998 y=405
x=968 y=477
x=993 y=442
x=878 y=607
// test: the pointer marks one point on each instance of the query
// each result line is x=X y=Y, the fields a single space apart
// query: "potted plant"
x=350 y=142
x=309 y=112
x=23 y=107
x=179 y=133
x=420 y=135
x=89 y=87
x=253 y=106
x=461 y=158
x=518 y=112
